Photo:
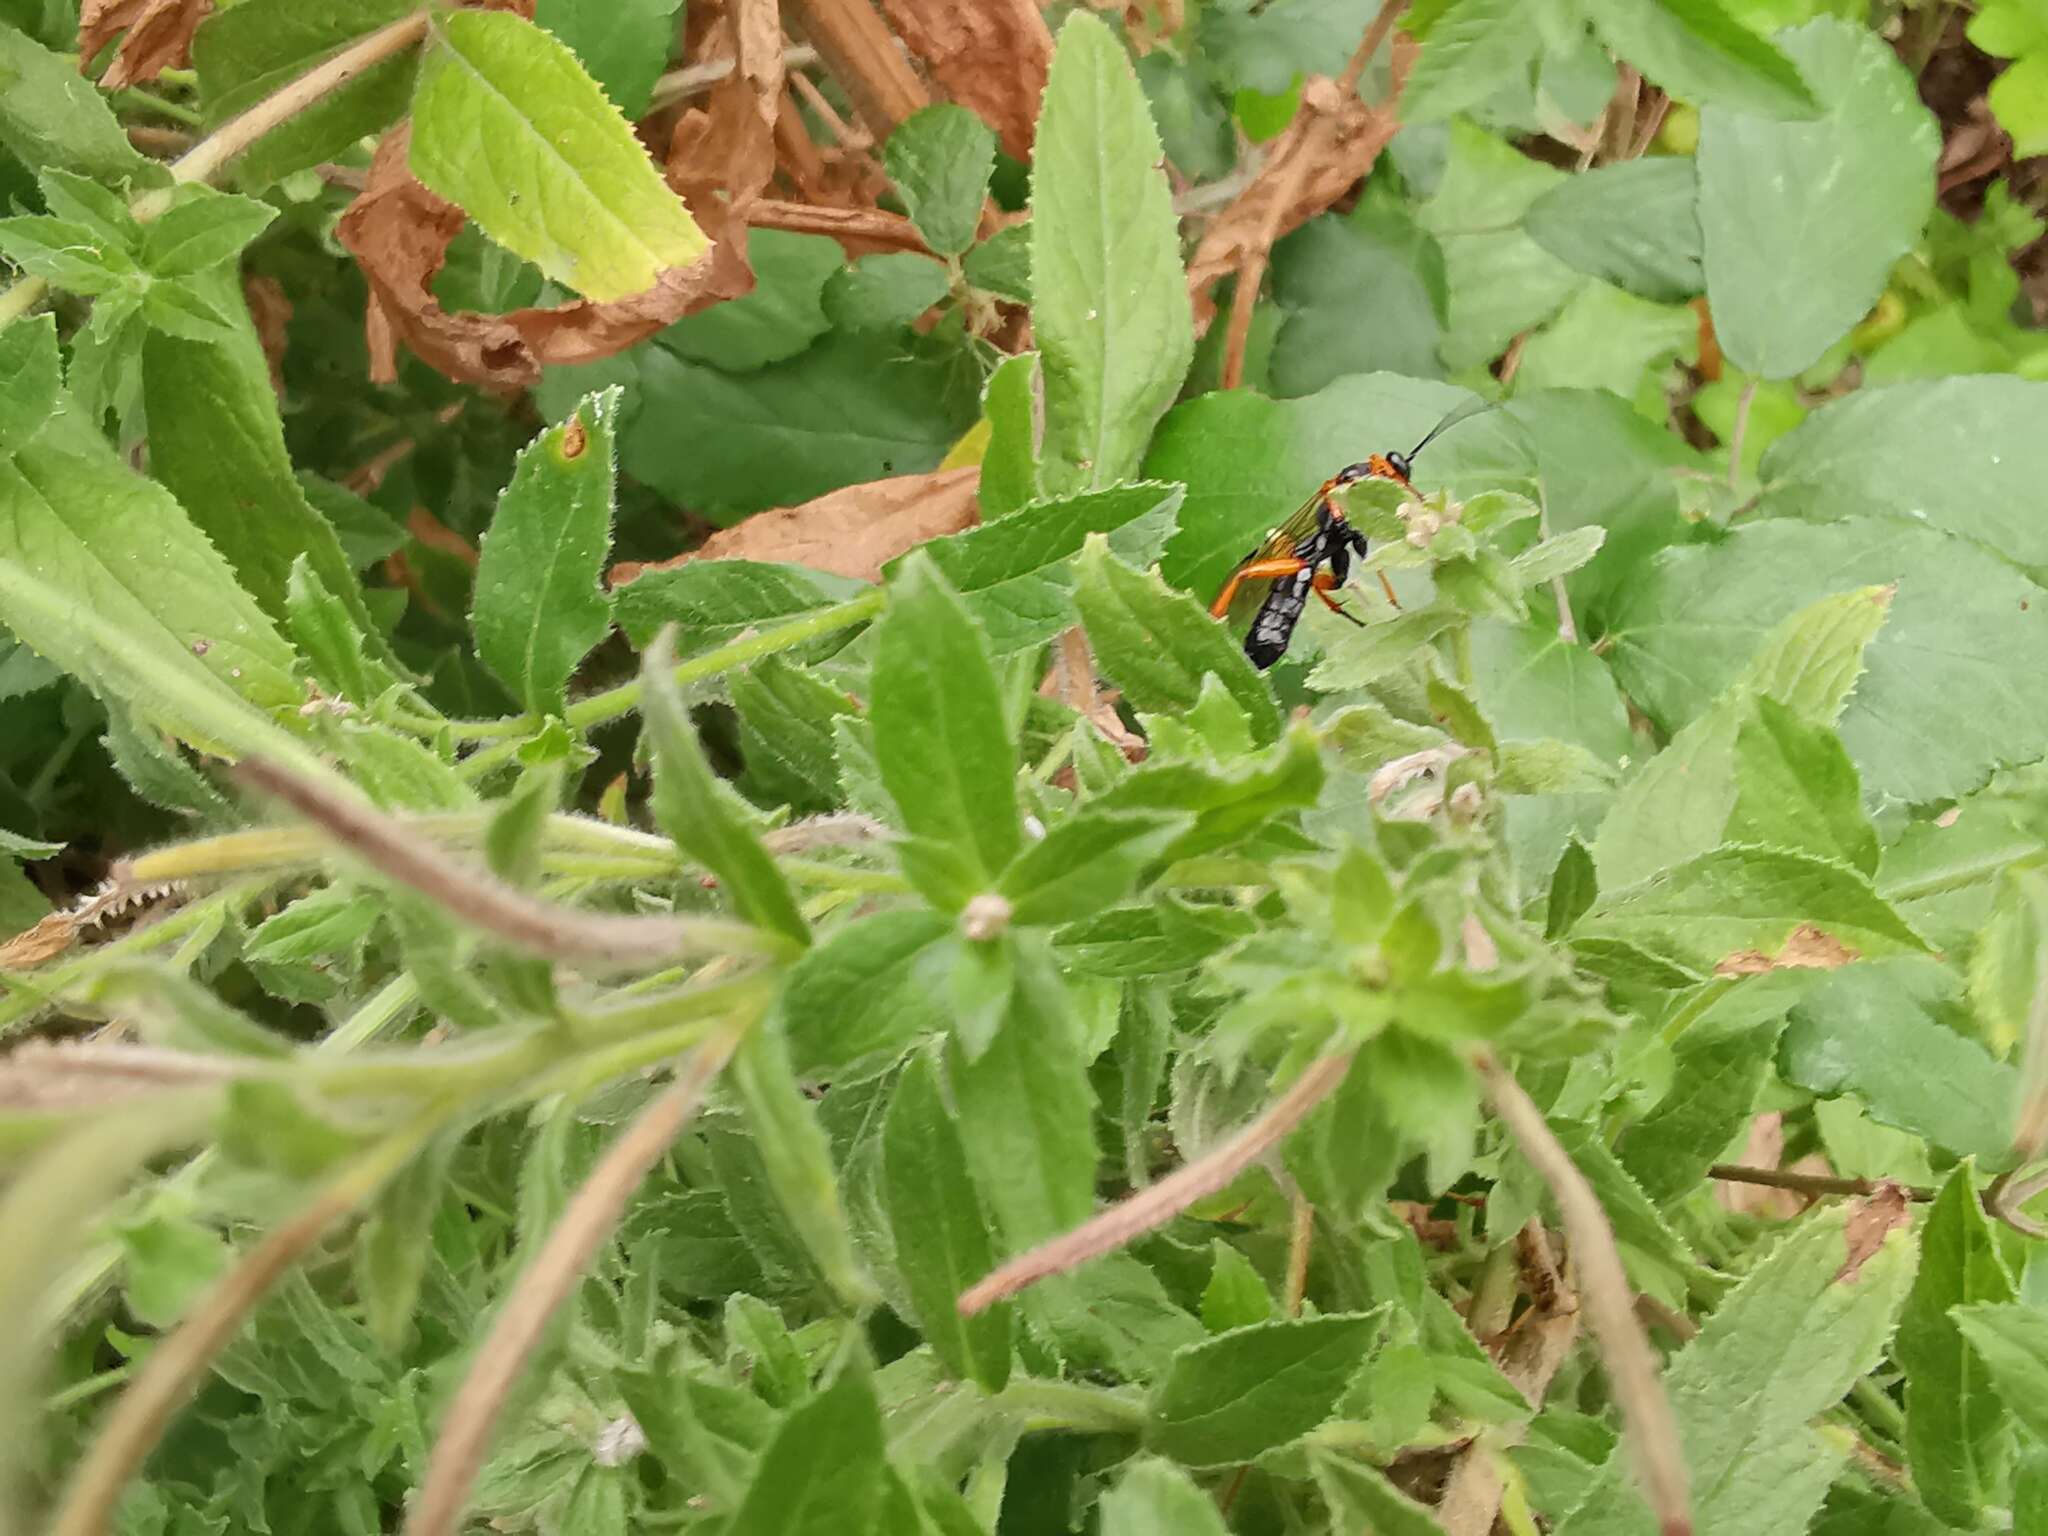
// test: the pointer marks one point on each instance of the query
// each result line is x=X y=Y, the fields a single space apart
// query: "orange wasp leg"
x=1253 y=570
x=1323 y=582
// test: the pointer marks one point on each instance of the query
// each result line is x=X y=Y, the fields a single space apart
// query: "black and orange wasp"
x=1311 y=552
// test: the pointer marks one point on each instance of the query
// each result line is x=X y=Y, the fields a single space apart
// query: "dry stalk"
x=588 y=1220
x=1608 y=1302
x=1160 y=1203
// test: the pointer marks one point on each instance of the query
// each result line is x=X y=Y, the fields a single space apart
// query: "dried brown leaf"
x=159 y=36
x=1870 y=1222
x=399 y=233
x=850 y=532
x=45 y=941
x=1807 y=947
x=861 y=231
x=728 y=144
x=272 y=313
x=991 y=57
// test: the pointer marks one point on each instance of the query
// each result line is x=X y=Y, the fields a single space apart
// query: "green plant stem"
x=1071 y=1405
x=613 y=703
x=146 y=102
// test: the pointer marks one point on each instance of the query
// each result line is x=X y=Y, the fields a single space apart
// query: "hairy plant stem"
x=615 y=703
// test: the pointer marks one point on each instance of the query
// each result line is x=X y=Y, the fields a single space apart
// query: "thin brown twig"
x=1812 y=1183
x=1161 y=1202
x=1608 y=1298
x=1322 y=108
x=588 y=1219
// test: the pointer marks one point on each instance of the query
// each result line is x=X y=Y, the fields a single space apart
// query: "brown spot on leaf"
x=1807 y=947
x=159 y=36
x=1871 y=1220
x=1949 y=817
x=574 y=439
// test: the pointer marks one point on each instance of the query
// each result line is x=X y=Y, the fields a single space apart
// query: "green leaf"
x=50 y=115
x=942 y=1238
x=1232 y=1397
x=1009 y=465
x=1631 y=224
x=1026 y=1110
x=1960 y=454
x=783 y=314
x=623 y=43
x=1892 y=1033
x=941 y=742
x=854 y=407
x=1574 y=887
x=1235 y=1296
x=822 y=1473
x=1001 y=264
x=1606 y=338
x=540 y=603
x=713 y=602
x=1159 y=644
x=1473 y=48
x=883 y=291
x=201 y=229
x=167 y=1264
x=1719 y=1064
x=327 y=635
x=30 y=377
x=1156 y=1498
x=1801 y=222
x=1501 y=282
x=216 y=440
x=797 y=1161
x=1961 y=628
x=1741 y=901
x=251 y=50
x=786 y=733
x=1796 y=788
x=507 y=124
x=1696 y=52
x=70 y=256
x=1361 y=1498
x=1784 y=1346
x=702 y=815
x=1109 y=299
x=2011 y=1338
x=1147 y=941
x=863 y=990
x=1957 y=1442
x=397 y=1241
x=940 y=158
x=1084 y=864
x=1012 y=572
x=2016 y=98
x=1361 y=293
x=121 y=559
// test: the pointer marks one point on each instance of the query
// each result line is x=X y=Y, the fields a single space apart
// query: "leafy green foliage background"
x=1697 y=782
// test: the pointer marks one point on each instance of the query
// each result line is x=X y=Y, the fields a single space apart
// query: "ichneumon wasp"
x=1311 y=552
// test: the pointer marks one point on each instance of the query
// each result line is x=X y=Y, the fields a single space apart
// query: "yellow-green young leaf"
x=507 y=124
x=1110 y=305
x=942 y=1238
x=1784 y=1346
x=540 y=601
x=1957 y=1441
x=1009 y=465
x=216 y=440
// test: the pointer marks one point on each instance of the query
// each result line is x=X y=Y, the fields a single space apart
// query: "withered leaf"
x=991 y=57
x=852 y=532
x=399 y=233
x=159 y=36
x=728 y=144
x=1871 y=1220
x=1807 y=947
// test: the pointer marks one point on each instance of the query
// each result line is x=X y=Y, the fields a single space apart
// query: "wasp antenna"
x=1462 y=412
